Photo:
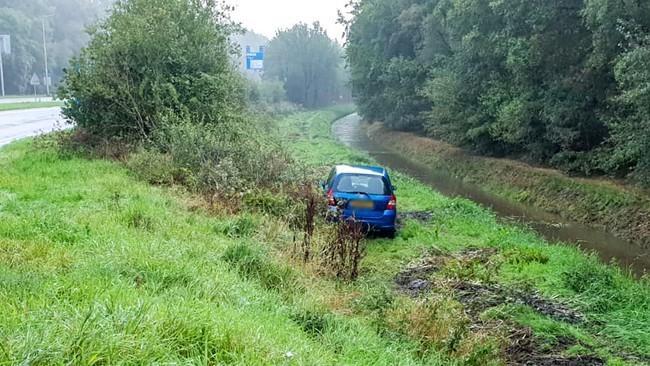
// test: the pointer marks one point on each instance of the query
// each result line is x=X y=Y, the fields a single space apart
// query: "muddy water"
x=349 y=131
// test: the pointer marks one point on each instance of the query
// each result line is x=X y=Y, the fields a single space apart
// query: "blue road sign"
x=254 y=60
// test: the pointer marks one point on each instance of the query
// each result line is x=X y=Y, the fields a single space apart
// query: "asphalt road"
x=18 y=124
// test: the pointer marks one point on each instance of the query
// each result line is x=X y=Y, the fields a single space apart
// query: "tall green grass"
x=97 y=267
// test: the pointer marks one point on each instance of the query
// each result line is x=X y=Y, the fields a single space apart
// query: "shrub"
x=150 y=59
x=158 y=74
x=267 y=202
x=226 y=162
x=153 y=167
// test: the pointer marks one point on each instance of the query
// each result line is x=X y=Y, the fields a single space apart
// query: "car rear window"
x=369 y=184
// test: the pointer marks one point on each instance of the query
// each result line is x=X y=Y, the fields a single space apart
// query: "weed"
x=439 y=322
x=473 y=264
x=137 y=218
x=525 y=255
x=345 y=250
x=311 y=322
x=377 y=298
x=313 y=207
x=411 y=229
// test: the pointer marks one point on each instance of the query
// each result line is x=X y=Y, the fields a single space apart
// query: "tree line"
x=65 y=22
x=563 y=83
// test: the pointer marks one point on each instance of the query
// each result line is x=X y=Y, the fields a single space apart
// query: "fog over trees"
x=65 y=23
x=309 y=64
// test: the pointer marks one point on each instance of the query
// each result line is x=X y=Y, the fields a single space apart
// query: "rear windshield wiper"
x=364 y=193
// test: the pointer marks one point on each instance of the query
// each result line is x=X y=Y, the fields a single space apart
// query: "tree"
x=153 y=61
x=309 y=64
x=556 y=82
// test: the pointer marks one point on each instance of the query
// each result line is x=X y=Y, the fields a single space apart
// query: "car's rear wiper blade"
x=364 y=193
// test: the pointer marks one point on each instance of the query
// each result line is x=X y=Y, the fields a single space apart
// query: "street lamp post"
x=47 y=74
x=2 y=73
x=5 y=48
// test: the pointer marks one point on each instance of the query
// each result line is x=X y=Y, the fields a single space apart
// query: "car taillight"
x=330 y=198
x=392 y=204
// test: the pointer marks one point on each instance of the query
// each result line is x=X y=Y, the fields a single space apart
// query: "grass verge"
x=28 y=105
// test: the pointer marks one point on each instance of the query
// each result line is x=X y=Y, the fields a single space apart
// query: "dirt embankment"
x=619 y=209
x=521 y=346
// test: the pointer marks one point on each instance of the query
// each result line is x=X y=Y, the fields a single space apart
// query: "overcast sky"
x=266 y=16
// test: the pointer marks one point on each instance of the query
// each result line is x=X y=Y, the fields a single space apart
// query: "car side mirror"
x=322 y=184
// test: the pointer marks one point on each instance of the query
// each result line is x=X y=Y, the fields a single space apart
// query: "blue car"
x=364 y=193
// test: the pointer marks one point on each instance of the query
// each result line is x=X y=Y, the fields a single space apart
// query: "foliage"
x=312 y=77
x=554 y=82
x=213 y=161
x=631 y=127
x=155 y=62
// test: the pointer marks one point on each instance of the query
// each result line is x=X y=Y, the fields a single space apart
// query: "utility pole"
x=47 y=75
x=2 y=73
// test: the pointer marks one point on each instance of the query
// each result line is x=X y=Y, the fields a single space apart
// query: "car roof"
x=361 y=169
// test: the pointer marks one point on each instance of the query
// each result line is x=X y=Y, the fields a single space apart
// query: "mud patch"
x=414 y=280
x=422 y=216
x=478 y=297
x=523 y=349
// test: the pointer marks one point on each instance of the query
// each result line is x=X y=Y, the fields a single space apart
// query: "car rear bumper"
x=384 y=222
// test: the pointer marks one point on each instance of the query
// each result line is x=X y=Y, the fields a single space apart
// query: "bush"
x=158 y=74
x=225 y=162
x=150 y=59
x=154 y=167
x=267 y=202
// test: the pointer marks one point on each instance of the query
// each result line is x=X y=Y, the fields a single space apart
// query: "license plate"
x=362 y=204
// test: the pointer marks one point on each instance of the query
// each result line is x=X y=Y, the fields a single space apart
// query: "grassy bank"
x=103 y=268
x=28 y=105
x=622 y=210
